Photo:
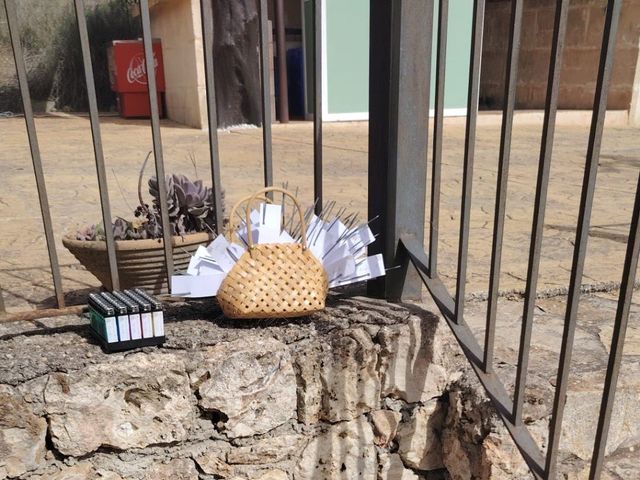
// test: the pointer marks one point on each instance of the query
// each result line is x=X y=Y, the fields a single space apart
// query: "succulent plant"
x=191 y=209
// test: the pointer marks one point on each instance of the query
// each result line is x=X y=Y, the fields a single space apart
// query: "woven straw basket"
x=274 y=280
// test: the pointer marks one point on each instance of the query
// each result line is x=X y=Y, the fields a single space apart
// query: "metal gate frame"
x=400 y=62
x=397 y=163
x=207 y=29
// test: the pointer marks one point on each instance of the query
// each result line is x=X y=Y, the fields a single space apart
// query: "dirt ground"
x=69 y=167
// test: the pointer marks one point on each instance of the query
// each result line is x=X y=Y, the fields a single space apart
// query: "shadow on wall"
x=375 y=391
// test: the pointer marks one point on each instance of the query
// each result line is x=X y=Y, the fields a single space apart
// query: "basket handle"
x=232 y=218
x=254 y=197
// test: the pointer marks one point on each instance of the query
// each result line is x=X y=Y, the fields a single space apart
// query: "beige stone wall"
x=177 y=24
x=580 y=66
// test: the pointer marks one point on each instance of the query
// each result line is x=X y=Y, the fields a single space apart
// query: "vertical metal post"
x=438 y=124
x=2 y=307
x=617 y=340
x=510 y=85
x=157 y=140
x=582 y=232
x=317 y=105
x=469 y=147
x=544 y=165
x=12 y=23
x=406 y=173
x=265 y=35
x=97 y=143
x=379 y=87
x=281 y=38
x=206 y=14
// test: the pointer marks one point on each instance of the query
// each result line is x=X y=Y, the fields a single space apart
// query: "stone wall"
x=366 y=390
x=177 y=23
x=581 y=55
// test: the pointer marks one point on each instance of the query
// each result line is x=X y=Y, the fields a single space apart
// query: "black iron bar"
x=21 y=69
x=283 y=99
x=617 y=340
x=413 y=251
x=510 y=85
x=157 y=140
x=469 y=147
x=380 y=13
x=317 y=105
x=206 y=13
x=97 y=144
x=2 y=307
x=582 y=233
x=542 y=183
x=438 y=124
x=265 y=81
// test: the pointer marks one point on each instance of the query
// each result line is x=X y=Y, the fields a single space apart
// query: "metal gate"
x=207 y=29
x=397 y=167
x=400 y=63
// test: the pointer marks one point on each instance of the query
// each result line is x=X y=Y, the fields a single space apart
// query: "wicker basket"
x=141 y=263
x=275 y=280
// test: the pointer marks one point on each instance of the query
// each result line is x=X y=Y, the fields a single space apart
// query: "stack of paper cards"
x=340 y=248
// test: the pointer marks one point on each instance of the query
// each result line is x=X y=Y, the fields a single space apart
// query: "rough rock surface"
x=419 y=443
x=343 y=382
x=583 y=401
x=392 y=468
x=212 y=464
x=243 y=380
x=345 y=450
x=413 y=366
x=177 y=469
x=332 y=396
x=385 y=425
x=138 y=401
x=22 y=435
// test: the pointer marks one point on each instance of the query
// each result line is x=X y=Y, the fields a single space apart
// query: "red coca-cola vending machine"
x=128 y=75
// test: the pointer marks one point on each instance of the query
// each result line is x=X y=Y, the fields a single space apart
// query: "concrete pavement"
x=70 y=174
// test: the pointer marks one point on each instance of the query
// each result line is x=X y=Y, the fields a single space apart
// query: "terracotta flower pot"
x=140 y=262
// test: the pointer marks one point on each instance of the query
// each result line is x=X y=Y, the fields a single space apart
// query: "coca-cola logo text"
x=137 y=71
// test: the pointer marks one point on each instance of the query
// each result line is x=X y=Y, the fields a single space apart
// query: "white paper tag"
x=218 y=250
x=271 y=215
x=147 y=325
x=362 y=237
x=196 y=286
x=111 y=328
x=336 y=254
x=376 y=266
x=158 y=323
x=342 y=268
x=313 y=226
x=285 y=238
x=123 y=328
x=181 y=285
x=370 y=268
x=235 y=251
x=193 y=265
x=201 y=257
x=136 y=326
x=267 y=234
x=242 y=233
x=316 y=244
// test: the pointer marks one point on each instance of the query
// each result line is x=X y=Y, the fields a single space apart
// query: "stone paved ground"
x=68 y=163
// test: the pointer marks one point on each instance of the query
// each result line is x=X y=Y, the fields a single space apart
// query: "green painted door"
x=346 y=57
